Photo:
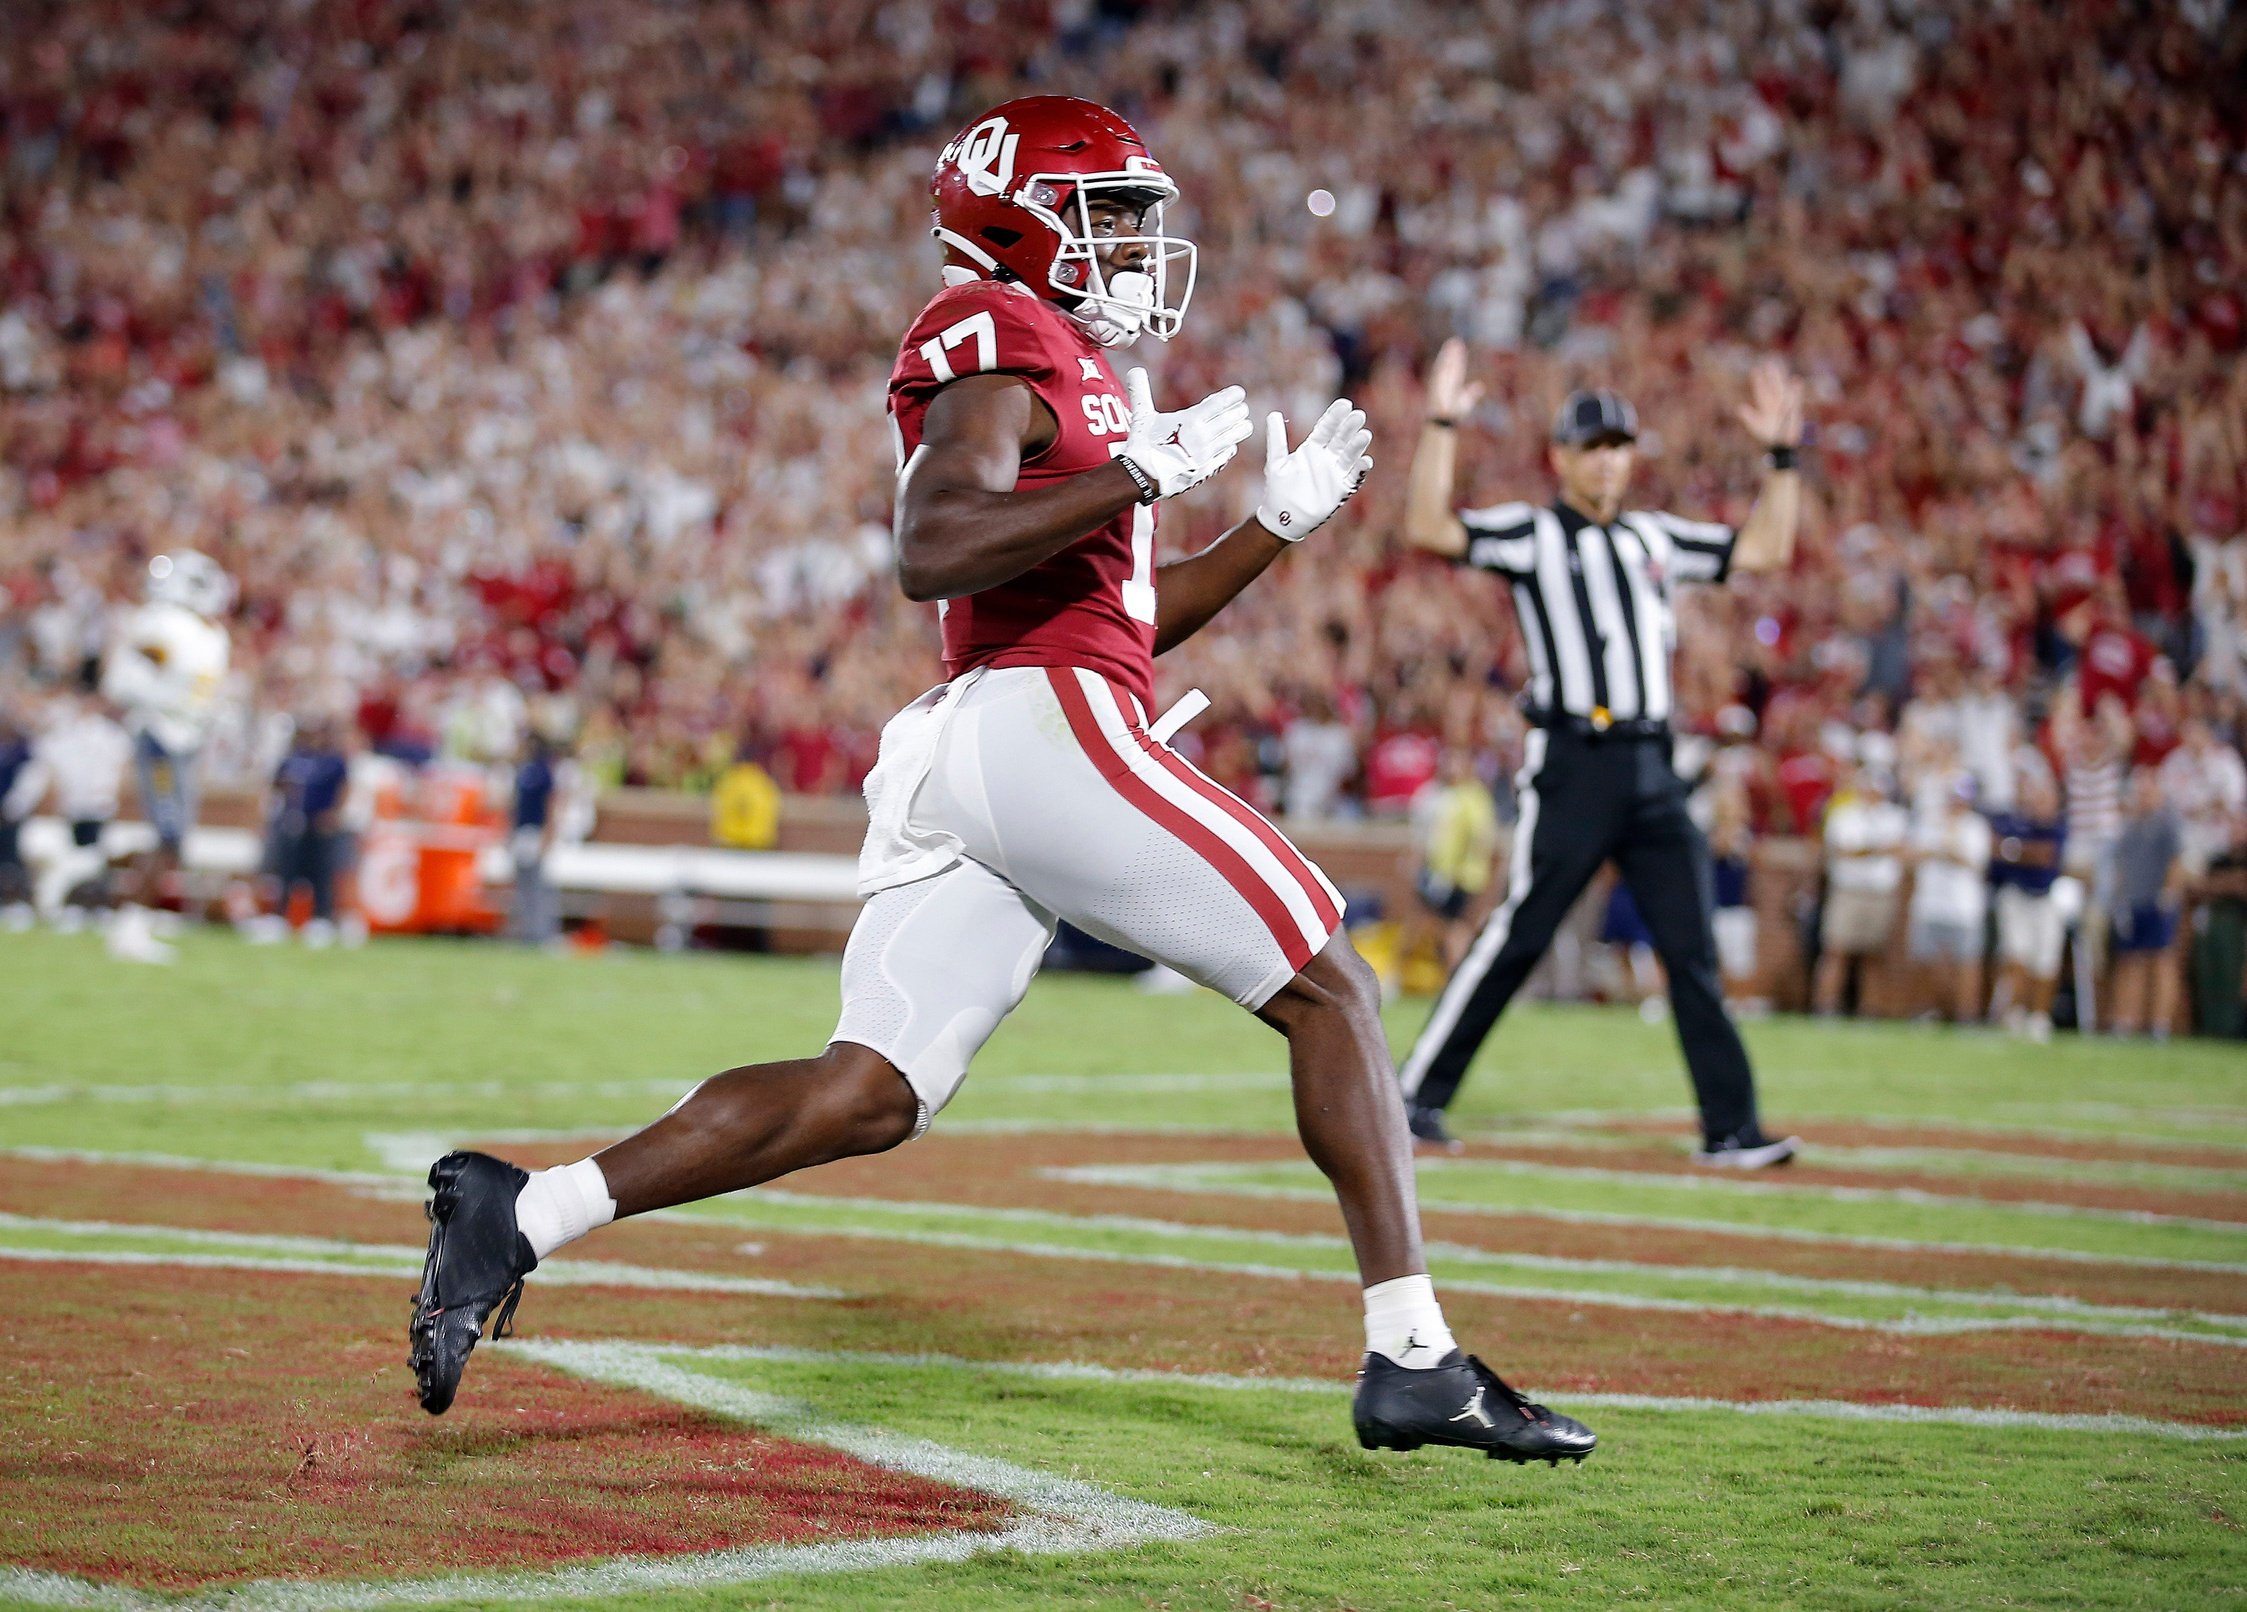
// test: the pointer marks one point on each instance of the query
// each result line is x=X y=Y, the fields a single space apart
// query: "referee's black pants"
x=1586 y=800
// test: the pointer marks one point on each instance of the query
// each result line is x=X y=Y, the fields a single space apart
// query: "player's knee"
x=876 y=1109
x=1337 y=983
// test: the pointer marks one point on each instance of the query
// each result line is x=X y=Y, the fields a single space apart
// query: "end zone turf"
x=1105 y=1310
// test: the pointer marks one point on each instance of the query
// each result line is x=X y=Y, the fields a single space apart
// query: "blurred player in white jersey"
x=78 y=764
x=163 y=671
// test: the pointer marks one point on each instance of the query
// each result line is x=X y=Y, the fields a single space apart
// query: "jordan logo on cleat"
x=1411 y=1342
x=1475 y=1411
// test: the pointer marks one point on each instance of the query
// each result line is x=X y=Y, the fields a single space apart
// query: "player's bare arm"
x=961 y=525
x=1773 y=416
x=1302 y=490
x=1430 y=522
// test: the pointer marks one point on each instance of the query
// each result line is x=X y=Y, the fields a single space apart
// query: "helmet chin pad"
x=1119 y=318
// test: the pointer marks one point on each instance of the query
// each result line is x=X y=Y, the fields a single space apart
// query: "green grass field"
x=1089 y=1343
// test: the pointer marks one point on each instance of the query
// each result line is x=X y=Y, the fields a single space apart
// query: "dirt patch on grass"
x=178 y=1427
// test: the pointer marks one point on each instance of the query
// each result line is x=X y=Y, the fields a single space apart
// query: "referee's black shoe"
x=477 y=1262
x=1428 y=1126
x=1460 y=1401
x=1747 y=1149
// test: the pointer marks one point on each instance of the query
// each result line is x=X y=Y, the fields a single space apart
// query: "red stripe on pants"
x=1249 y=818
x=1115 y=766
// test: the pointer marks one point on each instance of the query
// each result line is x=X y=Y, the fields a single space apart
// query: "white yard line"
x=1212 y=1177
x=388 y=1182
x=282 y=1093
x=1460 y=1253
x=1230 y=1382
x=1904 y=1326
x=1057 y=1516
x=1632 y=1119
x=1917 y=1197
x=1133 y=1175
x=1156 y=1176
x=2054 y=1320
x=321 y=1256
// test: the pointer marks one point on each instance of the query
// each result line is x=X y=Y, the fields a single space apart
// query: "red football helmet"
x=1014 y=191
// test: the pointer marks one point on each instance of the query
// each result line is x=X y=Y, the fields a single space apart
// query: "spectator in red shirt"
x=2113 y=657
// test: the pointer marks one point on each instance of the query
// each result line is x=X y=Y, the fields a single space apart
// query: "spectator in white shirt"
x=1320 y=757
x=1950 y=858
x=2219 y=607
x=1989 y=732
x=2094 y=763
x=1864 y=839
x=2206 y=782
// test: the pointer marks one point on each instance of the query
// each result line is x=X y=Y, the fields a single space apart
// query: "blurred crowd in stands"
x=523 y=363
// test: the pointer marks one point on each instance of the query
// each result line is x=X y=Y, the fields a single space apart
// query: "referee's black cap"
x=1591 y=418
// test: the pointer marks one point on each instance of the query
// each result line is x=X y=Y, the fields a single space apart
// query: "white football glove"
x=1303 y=489
x=1182 y=450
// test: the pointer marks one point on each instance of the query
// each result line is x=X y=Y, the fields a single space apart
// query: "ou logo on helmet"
x=985 y=156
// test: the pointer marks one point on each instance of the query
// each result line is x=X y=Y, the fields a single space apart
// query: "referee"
x=1591 y=585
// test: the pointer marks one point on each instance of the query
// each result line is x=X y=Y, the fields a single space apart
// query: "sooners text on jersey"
x=1092 y=604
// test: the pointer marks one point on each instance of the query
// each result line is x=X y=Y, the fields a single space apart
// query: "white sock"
x=561 y=1205
x=1404 y=1322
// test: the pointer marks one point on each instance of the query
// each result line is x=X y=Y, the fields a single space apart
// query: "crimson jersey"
x=1092 y=604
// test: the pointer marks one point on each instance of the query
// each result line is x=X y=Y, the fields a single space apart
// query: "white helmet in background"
x=190 y=580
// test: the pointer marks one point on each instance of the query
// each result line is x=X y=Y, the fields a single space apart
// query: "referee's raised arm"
x=1773 y=416
x=1430 y=521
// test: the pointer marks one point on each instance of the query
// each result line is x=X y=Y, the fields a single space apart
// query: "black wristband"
x=1442 y=424
x=1781 y=457
x=1148 y=491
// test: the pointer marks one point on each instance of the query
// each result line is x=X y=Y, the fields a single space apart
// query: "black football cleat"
x=1463 y=1402
x=477 y=1262
x=1427 y=1126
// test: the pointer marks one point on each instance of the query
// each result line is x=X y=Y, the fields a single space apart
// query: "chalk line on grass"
x=742 y=1211
x=1222 y=1176
x=1071 y=1371
x=235 y=1250
x=1166 y=1177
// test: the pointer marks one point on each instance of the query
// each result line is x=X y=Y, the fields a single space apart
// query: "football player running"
x=1032 y=785
x=163 y=671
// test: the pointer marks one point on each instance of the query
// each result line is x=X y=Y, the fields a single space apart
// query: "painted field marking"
x=1068 y=1371
x=289 y=1093
x=1173 y=1176
x=1192 y=1177
x=743 y=1210
x=384 y=1184
x=234 y=1250
x=1059 y=1515
x=1970 y=1162
x=1918 y=1197
x=402 y=1188
x=1627 y=1121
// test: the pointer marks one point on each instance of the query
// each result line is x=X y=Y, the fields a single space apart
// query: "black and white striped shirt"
x=1594 y=601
